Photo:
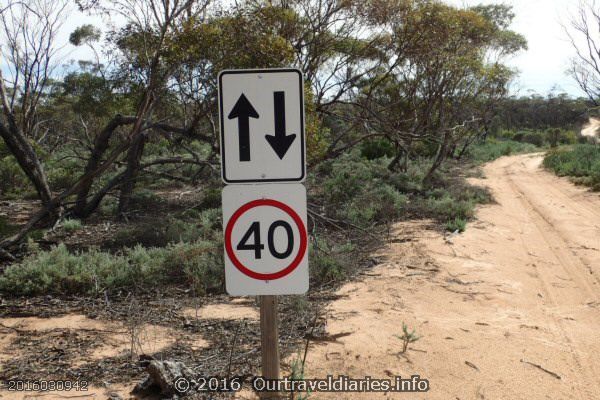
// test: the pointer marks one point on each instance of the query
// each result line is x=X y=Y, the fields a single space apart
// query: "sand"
x=512 y=313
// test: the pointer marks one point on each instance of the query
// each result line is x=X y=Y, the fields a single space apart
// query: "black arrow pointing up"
x=243 y=110
x=280 y=142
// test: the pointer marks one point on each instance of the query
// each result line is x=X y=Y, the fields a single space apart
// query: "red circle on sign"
x=270 y=203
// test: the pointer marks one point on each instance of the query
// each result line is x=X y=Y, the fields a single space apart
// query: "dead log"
x=166 y=378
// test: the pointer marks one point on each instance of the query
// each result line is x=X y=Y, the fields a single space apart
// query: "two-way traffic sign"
x=262 y=125
x=262 y=160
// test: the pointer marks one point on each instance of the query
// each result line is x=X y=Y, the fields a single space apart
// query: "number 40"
x=257 y=245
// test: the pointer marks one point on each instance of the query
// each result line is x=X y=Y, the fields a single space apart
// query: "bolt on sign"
x=261 y=114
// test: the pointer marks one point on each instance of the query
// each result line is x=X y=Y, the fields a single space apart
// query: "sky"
x=542 y=67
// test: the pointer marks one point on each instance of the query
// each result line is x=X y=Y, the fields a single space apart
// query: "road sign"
x=266 y=240
x=262 y=125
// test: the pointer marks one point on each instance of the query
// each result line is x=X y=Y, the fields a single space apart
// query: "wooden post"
x=269 y=341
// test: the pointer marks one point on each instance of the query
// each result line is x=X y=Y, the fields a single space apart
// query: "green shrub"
x=177 y=230
x=145 y=199
x=35 y=234
x=377 y=204
x=356 y=190
x=456 y=224
x=493 y=149
x=518 y=137
x=298 y=303
x=145 y=233
x=325 y=261
x=196 y=225
x=12 y=178
x=581 y=161
x=411 y=180
x=211 y=199
x=449 y=208
x=71 y=225
x=325 y=268
x=201 y=264
x=567 y=137
x=59 y=271
x=534 y=138
x=373 y=149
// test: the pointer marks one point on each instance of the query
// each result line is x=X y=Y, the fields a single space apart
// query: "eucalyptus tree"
x=446 y=69
x=28 y=31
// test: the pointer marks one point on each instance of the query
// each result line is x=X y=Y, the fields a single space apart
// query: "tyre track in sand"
x=500 y=308
x=574 y=268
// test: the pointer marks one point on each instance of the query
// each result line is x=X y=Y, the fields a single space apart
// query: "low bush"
x=456 y=225
x=534 y=138
x=449 y=208
x=493 y=149
x=191 y=226
x=59 y=271
x=581 y=162
x=359 y=191
x=71 y=225
x=145 y=199
x=211 y=199
x=373 y=149
x=326 y=263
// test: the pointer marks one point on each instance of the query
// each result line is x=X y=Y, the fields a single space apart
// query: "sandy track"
x=508 y=310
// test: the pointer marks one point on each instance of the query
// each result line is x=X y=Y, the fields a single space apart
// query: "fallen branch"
x=538 y=366
x=335 y=222
x=327 y=338
x=6 y=255
x=470 y=364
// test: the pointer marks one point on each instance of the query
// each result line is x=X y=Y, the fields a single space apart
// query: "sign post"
x=268 y=338
x=263 y=163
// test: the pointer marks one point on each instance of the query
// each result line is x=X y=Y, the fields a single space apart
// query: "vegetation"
x=492 y=149
x=581 y=162
x=386 y=135
x=71 y=225
x=407 y=337
x=456 y=225
x=59 y=271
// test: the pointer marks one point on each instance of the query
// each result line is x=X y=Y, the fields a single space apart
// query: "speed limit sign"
x=266 y=239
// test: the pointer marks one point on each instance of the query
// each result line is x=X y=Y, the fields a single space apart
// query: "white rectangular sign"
x=261 y=116
x=266 y=240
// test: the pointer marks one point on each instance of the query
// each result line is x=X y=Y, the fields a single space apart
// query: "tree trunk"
x=404 y=165
x=101 y=144
x=25 y=155
x=439 y=158
x=392 y=165
x=57 y=201
x=134 y=156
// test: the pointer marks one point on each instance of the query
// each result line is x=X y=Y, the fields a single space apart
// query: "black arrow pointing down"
x=280 y=142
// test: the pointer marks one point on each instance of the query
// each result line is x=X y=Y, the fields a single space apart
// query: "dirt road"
x=508 y=310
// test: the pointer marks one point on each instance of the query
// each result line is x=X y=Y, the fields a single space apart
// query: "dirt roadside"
x=508 y=310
